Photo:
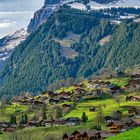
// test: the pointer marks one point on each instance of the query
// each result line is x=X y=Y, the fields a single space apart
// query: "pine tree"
x=84 y=117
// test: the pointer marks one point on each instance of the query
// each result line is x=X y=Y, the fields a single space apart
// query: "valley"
x=49 y=113
x=73 y=73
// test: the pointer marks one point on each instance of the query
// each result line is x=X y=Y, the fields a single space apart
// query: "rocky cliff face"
x=41 y=15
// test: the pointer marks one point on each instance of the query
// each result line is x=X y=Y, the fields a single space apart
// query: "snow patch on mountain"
x=96 y=6
x=8 y=44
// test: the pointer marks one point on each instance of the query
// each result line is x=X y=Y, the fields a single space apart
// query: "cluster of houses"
x=93 y=89
x=7 y=127
x=86 y=135
x=114 y=126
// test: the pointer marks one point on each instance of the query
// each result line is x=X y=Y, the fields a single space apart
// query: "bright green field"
x=10 y=109
x=109 y=104
x=133 y=134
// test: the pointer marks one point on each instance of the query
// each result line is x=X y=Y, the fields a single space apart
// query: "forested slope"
x=37 y=62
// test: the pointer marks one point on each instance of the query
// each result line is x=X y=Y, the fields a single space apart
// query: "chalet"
x=38 y=103
x=120 y=74
x=10 y=129
x=64 y=94
x=67 y=106
x=93 y=109
x=115 y=89
x=52 y=94
x=137 y=122
x=64 y=99
x=108 y=119
x=104 y=84
x=33 y=123
x=4 y=125
x=133 y=98
x=76 y=134
x=53 y=101
x=115 y=126
x=25 y=102
x=93 y=86
x=85 y=135
x=132 y=110
x=47 y=122
x=136 y=76
x=59 y=121
x=72 y=121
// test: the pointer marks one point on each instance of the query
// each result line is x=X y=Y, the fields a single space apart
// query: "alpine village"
x=76 y=74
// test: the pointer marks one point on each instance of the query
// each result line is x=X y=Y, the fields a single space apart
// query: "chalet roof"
x=114 y=123
x=136 y=97
x=67 y=105
x=107 y=118
x=137 y=122
x=73 y=119
x=75 y=132
x=65 y=136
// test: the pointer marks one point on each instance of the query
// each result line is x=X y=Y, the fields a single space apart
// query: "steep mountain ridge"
x=9 y=43
x=38 y=62
x=50 y=7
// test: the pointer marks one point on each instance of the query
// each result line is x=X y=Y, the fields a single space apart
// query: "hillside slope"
x=38 y=61
x=129 y=135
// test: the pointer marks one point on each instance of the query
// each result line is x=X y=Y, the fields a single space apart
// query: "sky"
x=16 y=14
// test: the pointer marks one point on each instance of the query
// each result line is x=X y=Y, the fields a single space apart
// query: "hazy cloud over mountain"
x=16 y=14
x=20 y=5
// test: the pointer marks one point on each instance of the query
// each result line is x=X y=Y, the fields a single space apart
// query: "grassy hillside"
x=129 y=135
x=55 y=132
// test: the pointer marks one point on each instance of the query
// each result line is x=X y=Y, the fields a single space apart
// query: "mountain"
x=8 y=44
x=71 y=44
x=50 y=7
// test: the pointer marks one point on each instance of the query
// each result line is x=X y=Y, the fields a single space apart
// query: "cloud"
x=7 y=25
x=19 y=5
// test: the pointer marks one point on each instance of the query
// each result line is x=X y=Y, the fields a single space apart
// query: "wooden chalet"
x=33 y=123
x=93 y=109
x=53 y=101
x=38 y=103
x=136 y=76
x=64 y=94
x=115 y=89
x=86 y=135
x=64 y=99
x=120 y=74
x=67 y=106
x=132 y=110
x=52 y=94
x=72 y=121
x=104 y=84
x=108 y=119
x=133 y=98
x=137 y=122
x=115 y=126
